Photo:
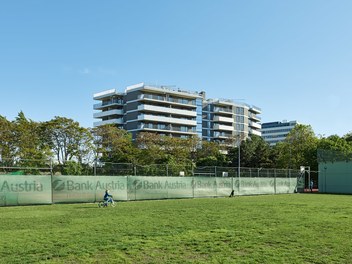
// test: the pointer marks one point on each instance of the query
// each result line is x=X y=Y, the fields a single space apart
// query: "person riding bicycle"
x=107 y=197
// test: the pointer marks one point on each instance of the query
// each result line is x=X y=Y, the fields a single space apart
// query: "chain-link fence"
x=48 y=167
x=17 y=166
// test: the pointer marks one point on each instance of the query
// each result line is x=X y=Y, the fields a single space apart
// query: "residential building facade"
x=274 y=132
x=176 y=113
x=224 y=119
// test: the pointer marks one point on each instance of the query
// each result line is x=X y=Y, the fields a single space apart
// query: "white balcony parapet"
x=255 y=132
x=223 y=119
x=223 y=127
x=256 y=109
x=255 y=125
x=168 y=110
x=254 y=117
x=167 y=119
x=104 y=94
x=108 y=113
x=118 y=121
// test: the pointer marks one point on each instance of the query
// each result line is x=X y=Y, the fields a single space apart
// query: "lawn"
x=293 y=228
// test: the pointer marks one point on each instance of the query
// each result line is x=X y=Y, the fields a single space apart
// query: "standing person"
x=232 y=193
x=311 y=185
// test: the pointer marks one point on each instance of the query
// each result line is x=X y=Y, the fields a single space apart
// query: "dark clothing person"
x=107 y=196
x=311 y=186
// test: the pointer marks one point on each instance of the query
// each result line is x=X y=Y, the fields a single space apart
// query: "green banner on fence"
x=21 y=190
x=68 y=189
x=24 y=190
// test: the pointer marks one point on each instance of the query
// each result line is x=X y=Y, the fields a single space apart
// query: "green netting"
x=68 y=189
x=23 y=190
x=20 y=190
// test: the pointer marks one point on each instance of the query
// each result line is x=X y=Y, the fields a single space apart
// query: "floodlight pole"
x=239 y=165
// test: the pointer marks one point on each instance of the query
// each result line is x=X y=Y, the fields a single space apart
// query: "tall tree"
x=298 y=149
x=30 y=144
x=210 y=154
x=68 y=140
x=255 y=153
x=7 y=142
x=114 y=144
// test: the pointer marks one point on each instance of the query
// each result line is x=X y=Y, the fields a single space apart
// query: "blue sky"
x=291 y=58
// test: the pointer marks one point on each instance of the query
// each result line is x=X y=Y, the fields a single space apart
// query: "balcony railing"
x=118 y=121
x=168 y=110
x=165 y=119
x=221 y=109
x=167 y=128
x=169 y=99
x=118 y=112
x=108 y=103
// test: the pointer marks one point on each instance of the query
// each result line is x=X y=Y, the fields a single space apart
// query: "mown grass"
x=300 y=228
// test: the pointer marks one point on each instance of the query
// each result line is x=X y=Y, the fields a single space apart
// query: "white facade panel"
x=223 y=119
x=223 y=127
x=164 y=119
x=168 y=110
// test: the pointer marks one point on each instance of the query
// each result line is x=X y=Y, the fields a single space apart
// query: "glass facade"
x=199 y=109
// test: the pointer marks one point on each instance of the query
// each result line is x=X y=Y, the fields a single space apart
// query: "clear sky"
x=291 y=58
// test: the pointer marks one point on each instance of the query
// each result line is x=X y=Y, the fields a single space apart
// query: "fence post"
x=135 y=170
x=51 y=167
x=167 y=170
x=275 y=181
x=95 y=167
x=215 y=170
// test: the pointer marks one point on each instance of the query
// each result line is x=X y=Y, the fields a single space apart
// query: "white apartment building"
x=274 y=132
x=176 y=113
x=225 y=118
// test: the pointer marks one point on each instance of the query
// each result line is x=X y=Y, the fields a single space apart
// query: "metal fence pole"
x=275 y=181
x=95 y=167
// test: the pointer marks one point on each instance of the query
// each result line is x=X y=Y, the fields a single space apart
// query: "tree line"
x=73 y=148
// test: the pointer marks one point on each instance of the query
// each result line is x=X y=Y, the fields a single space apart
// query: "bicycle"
x=109 y=202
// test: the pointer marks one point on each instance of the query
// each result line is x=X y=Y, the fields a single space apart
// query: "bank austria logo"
x=58 y=185
x=137 y=184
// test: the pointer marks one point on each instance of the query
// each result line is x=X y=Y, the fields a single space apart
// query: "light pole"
x=239 y=139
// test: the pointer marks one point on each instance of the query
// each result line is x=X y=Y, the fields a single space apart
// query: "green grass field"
x=297 y=228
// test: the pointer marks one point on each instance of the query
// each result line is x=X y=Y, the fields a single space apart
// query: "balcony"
x=118 y=121
x=222 y=135
x=170 y=100
x=254 y=117
x=105 y=94
x=168 y=110
x=255 y=109
x=222 y=110
x=164 y=119
x=167 y=129
x=108 y=113
x=255 y=125
x=223 y=119
x=255 y=132
x=103 y=105
x=223 y=127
